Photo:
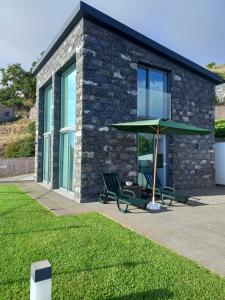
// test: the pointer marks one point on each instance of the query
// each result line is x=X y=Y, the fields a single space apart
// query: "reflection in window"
x=153 y=99
x=67 y=132
x=68 y=106
x=47 y=108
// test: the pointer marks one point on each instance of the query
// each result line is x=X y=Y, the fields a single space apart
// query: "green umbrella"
x=159 y=127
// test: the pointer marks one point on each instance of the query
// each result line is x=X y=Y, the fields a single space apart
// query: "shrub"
x=220 y=129
x=31 y=128
x=22 y=147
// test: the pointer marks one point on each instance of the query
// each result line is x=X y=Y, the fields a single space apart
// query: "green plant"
x=31 y=128
x=211 y=65
x=22 y=147
x=217 y=100
x=220 y=129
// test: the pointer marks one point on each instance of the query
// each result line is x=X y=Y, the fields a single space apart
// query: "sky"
x=192 y=28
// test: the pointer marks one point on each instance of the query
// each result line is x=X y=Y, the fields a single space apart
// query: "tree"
x=17 y=84
x=211 y=65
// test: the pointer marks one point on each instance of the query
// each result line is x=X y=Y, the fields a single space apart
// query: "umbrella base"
x=153 y=206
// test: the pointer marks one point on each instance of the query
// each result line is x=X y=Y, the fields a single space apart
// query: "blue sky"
x=193 y=28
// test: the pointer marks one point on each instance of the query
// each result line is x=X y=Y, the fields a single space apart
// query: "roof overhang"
x=87 y=11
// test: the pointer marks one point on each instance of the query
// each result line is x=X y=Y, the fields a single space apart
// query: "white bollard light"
x=41 y=280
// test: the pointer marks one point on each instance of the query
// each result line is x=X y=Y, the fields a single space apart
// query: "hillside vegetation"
x=218 y=69
x=220 y=129
x=17 y=90
x=17 y=139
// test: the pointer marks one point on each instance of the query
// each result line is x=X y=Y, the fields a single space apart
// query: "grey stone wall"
x=6 y=114
x=110 y=96
x=16 y=166
x=69 y=52
x=107 y=93
x=220 y=112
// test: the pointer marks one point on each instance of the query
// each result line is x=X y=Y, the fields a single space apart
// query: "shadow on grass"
x=151 y=294
x=9 y=192
x=40 y=230
x=11 y=210
x=73 y=270
x=127 y=264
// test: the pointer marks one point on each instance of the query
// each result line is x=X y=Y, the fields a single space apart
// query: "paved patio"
x=196 y=231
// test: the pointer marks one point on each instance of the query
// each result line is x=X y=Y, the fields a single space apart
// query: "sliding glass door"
x=47 y=159
x=146 y=149
x=67 y=132
x=67 y=160
x=47 y=134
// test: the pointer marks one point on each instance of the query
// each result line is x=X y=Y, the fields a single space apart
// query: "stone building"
x=98 y=72
x=6 y=114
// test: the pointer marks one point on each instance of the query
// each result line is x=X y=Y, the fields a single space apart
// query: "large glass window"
x=153 y=101
x=153 y=96
x=47 y=134
x=47 y=158
x=67 y=132
x=68 y=107
x=67 y=160
x=47 y=108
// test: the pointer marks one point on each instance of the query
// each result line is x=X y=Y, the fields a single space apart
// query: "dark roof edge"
x=85 y=10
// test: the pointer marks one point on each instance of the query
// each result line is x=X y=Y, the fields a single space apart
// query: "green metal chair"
x=164 y=193
x=114 y=191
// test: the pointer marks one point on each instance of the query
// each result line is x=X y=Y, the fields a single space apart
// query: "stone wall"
x=220 y=93
x=107 y=93
x=69 y=52
x=6 y=114
x=16 y=166
x=110 y=96
x=220 y=112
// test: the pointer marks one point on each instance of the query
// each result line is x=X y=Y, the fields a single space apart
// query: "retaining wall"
x=16 y=166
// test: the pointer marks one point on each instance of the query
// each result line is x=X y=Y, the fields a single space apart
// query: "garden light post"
x=41 y=280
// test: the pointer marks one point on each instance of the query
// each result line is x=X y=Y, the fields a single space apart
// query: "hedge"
x=220 y=129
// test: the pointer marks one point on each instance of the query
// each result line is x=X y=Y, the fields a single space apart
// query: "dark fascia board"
x=87 y=11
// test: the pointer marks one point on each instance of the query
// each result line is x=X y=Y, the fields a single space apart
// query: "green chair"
x=164 y=193
x=114 y=191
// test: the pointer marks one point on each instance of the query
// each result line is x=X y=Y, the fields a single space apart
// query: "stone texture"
x=115 y=99
x=16 y=166
x=107 y=93
x=220 y=93
x=220 y=112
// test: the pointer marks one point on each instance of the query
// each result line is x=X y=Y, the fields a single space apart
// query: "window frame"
x=147 y=69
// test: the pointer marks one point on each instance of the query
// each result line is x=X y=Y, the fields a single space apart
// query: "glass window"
x=71 y=179
x=68 y=160
x=68 y=101
x=142 y=92
x=64 y=160
x=153 y=99
x=157 y=87
x=68 y=135
x=146 y=144
x=47 y=158
x=47 y=109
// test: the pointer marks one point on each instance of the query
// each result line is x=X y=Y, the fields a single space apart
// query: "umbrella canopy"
x=164 y=127
x=157 y=127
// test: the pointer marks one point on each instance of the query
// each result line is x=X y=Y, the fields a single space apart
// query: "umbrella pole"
x=155 y=166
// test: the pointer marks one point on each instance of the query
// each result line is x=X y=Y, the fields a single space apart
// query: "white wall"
x=220 y=162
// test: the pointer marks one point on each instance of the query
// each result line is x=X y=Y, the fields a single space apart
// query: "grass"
x=92 y=257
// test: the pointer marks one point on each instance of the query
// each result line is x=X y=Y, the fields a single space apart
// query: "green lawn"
x=92 y=257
